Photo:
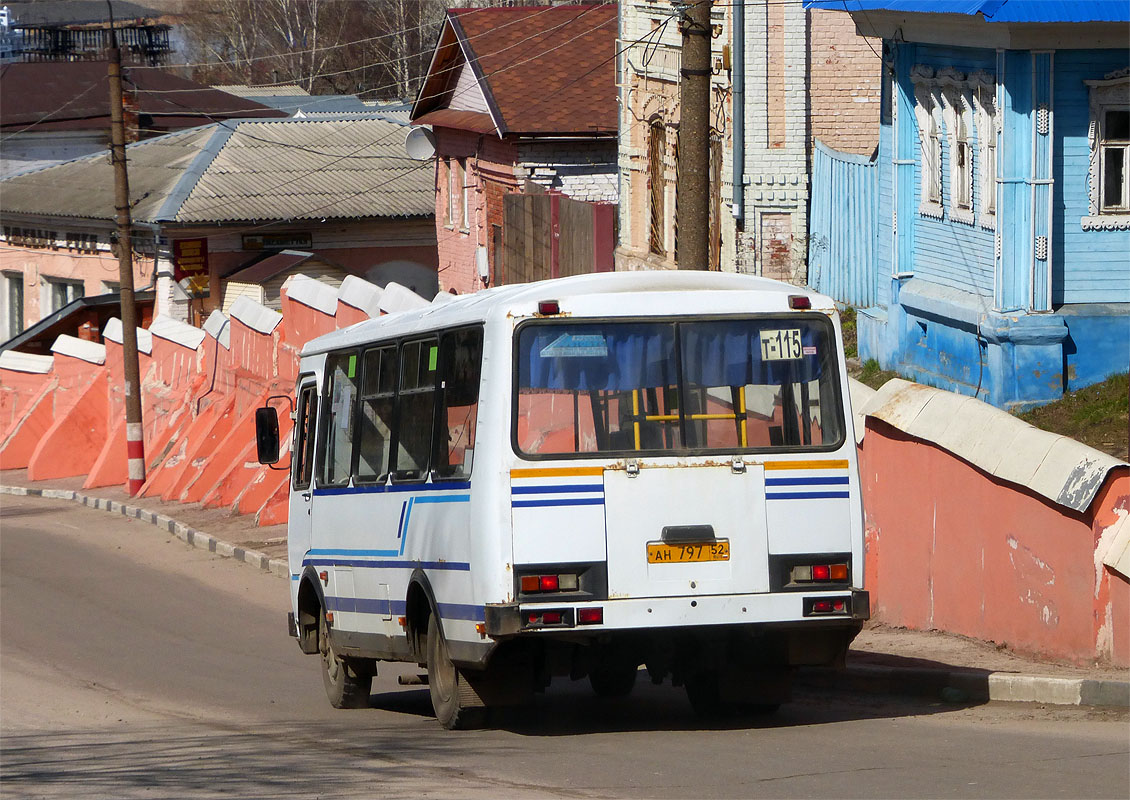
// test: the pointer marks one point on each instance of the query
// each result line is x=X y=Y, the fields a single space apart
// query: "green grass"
x=847 y=322
x=1095 y=415
x=873 y=376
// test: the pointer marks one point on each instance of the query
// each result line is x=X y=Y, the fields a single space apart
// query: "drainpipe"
x=738 y=38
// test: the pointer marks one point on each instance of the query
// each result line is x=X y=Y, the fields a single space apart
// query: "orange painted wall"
x=952 y=548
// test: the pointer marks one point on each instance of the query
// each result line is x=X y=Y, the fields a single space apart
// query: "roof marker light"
x=548 y=307
x=800 y=301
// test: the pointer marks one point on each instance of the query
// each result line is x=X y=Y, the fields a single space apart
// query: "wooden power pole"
x=135 y=443
x=692 y=183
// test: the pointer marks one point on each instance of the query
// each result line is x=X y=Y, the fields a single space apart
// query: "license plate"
x=686 y=552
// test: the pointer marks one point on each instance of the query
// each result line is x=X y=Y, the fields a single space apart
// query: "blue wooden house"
x=987 y=243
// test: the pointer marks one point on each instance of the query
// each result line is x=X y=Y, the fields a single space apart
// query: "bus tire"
x=613 y=681
x=456 y=705
x=346 y=685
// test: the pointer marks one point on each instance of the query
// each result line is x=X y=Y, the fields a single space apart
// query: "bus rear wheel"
x=346 y=684
x=456 y=704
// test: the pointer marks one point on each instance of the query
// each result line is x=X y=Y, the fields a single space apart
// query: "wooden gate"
x=552 y=236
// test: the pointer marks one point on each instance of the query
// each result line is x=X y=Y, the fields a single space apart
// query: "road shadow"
x=572 y=709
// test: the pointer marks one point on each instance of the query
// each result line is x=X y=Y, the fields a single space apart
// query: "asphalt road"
x=134 y=666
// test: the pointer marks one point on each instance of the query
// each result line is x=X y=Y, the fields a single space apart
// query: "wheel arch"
x=311 y=598
x=419 y=605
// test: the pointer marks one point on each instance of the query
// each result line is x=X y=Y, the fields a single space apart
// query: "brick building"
x=521 y=101
x=782 y=77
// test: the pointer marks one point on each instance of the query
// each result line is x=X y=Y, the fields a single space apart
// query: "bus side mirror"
x=267 y=435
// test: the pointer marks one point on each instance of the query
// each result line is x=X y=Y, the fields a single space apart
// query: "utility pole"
x=692 y=183
x=135 y=443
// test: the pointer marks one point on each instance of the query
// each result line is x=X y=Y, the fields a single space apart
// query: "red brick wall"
x=490 y=172
x=844 y=83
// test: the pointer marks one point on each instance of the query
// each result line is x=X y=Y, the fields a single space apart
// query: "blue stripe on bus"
x=458 y=566
x=804 y=495
x=557 y=489
x=580 y=501
x=805 y=481
x=381 y=488
x=388 y=608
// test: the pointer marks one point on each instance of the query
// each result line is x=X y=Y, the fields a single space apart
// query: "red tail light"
x=551 y=618
x=823 y=606
x=799 y=301
x=821 y=572
x=590 y=616
x=548 y=583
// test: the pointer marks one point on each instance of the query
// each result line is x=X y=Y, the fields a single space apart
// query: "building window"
x=926 y=113
x=1114 y=155
x=449 y=211
x=465 y=190
x=1109 y=137
x=656 y=149
x=61 y=292
x=985 y=118
x=13 y=304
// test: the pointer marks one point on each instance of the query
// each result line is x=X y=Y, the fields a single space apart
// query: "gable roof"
x=996 y=10
x=546 y=70
x=273 y=264
x=75 y=95
x=243 y=171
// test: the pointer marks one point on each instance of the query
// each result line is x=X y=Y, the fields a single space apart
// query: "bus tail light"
x=551 y=583
x=548 y=307
x=590 y=616
x=830 y=606
x=799 y=301
x=819 y=573
x=548 y=618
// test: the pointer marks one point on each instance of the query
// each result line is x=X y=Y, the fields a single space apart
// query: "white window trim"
x=449 y=211
x=987 y=121
x=926 y=113
x=1110 y=93
x=957 y=111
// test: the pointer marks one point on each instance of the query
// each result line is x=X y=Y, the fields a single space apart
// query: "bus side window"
x=461 y=356
x=418 y=363
x=303 y=449
x=336 y=432
x=378 y=392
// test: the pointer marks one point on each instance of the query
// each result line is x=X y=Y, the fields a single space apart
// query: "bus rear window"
x=678 y=386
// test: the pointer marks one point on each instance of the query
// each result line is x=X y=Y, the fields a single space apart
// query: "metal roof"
x=248 y=170
x=995 y=10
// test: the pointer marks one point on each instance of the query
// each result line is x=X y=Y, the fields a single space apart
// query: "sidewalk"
x=882 y=659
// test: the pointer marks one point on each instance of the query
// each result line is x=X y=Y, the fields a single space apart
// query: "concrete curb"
x=198 y=539
x=955 y=686
x=962 y=686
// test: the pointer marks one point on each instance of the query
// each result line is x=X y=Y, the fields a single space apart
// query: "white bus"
x=578 y=477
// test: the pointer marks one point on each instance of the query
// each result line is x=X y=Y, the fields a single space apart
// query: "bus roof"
x=521 y=300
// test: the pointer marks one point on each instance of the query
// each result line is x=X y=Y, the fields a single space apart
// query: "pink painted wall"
x=40 y=266
x=952 y=548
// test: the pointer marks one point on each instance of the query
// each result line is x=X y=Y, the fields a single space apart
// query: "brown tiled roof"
x=544 y=69
x=75 y=95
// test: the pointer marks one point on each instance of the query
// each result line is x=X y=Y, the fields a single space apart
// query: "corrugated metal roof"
x=995 y=10
x=285 y=169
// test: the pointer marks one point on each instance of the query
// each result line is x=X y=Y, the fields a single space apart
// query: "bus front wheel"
x=456 y=704
x=347 y=686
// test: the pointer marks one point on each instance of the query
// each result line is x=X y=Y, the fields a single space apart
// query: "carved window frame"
x=927 y=115
x=1110 y=94
x=983 y=91
x=957 y=112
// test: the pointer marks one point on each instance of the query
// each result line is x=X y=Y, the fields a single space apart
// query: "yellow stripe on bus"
x=564 y=472
x=806 y=464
